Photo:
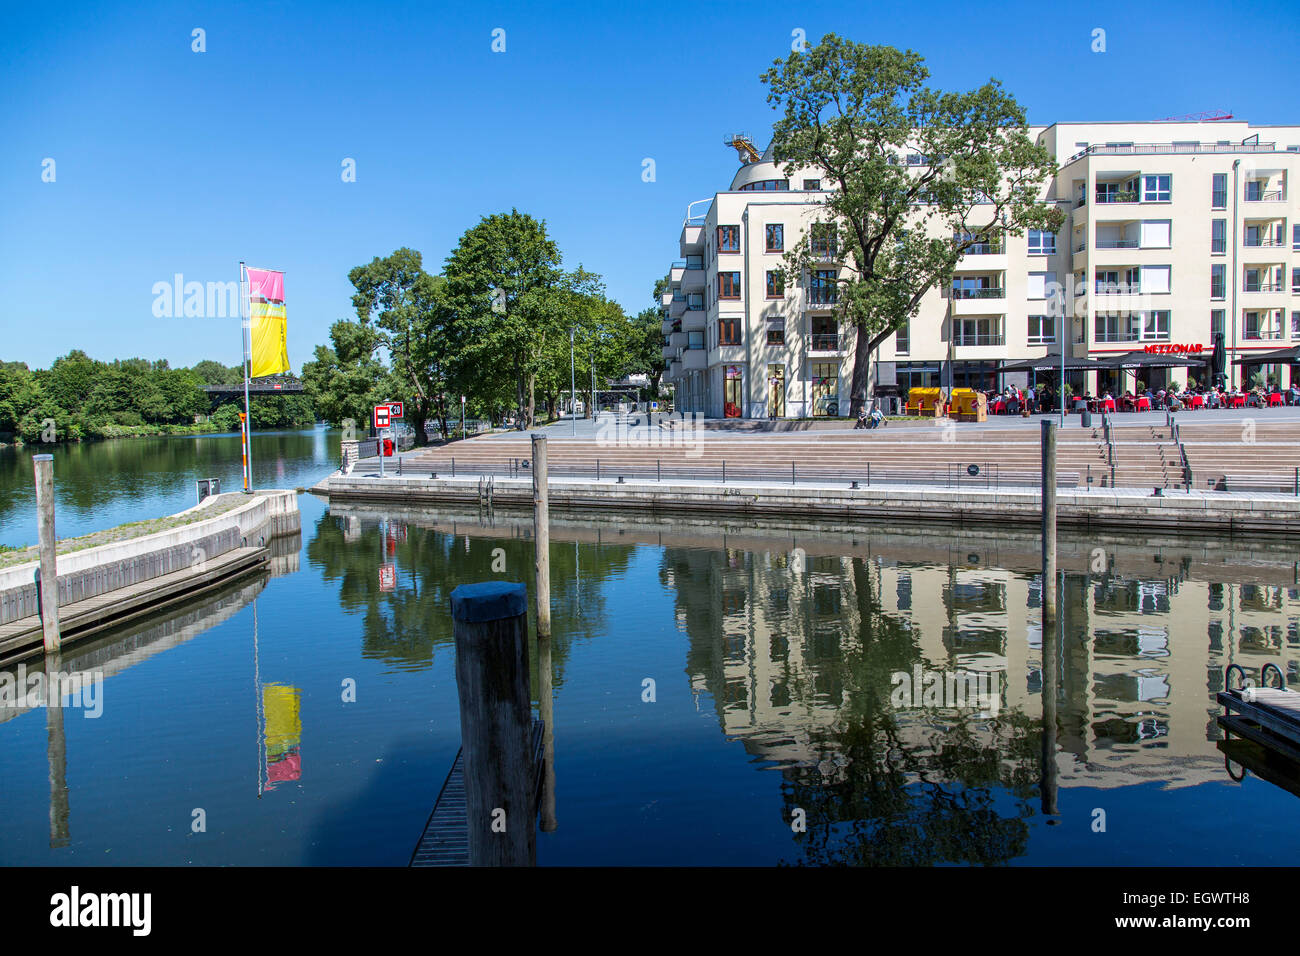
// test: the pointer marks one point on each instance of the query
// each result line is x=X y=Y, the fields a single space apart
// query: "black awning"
x=1289 y=356
x=1051 y=363
x=1144 y=359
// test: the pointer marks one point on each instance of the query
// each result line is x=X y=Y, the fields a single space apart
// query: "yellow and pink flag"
x=268 y=325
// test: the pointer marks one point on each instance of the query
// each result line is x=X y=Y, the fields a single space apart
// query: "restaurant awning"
x=1143 y=359
x=1051 y=363
x=1289 y=356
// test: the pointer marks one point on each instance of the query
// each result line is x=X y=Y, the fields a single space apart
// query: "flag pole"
x=246 y=310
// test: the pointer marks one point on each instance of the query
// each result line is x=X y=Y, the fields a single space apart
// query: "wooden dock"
x=22 y=638
x=445 y=841
x=1267 y=717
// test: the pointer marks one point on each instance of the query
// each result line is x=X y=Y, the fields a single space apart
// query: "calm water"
x=773 y=651
x=102 y=484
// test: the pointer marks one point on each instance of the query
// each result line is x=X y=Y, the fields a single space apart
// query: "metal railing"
x=1176 y=148
x=973 y=475
x=1273 y=195
x=985 y=293
x=1110 y=198
x=1117 y=244
x=818 y=296
x=979 y=339
x=826 y=342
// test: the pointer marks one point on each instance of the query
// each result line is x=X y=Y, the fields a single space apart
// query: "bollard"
x=1049 y=521
x=49 y=573
x=490 y=624
x=542 y=535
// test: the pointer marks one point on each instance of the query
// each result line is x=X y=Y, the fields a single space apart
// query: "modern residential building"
x=1174 y=231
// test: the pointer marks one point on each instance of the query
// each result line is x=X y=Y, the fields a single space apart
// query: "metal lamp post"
x=573 y=394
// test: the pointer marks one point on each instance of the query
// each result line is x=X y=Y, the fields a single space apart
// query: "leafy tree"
x=647 y=347
x=502 y=280
x=347 y=380
x=411 y=319
x=855 y=112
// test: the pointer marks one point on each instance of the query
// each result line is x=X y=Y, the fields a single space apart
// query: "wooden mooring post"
x=490 y=623
x=49 y=584
x=1049 y=522
x=542 y=535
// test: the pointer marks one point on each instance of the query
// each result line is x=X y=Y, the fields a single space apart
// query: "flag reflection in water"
x=282 y=738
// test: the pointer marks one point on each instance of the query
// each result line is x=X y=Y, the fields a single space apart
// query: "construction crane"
x=744 y=147
x=1207 y=116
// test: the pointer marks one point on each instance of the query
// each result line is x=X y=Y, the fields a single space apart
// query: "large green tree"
x=856 y=112
x=346 y=379
x=503 y=283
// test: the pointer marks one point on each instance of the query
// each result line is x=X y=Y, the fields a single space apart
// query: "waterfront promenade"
x=1214 y=471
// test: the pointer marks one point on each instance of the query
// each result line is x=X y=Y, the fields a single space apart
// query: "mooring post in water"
x=1051 y=647
x=490 y=624
x=542 y=535
x=1049 y=521
x=56 y=752
x=49 y=589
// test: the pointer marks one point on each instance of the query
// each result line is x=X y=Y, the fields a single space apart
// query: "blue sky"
x=169 y=161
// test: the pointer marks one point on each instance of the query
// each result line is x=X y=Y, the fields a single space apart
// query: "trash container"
x=1085 y=418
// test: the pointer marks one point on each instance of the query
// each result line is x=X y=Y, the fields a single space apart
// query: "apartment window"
x=775 y=284
x=776 y=336
x=1042 y=330
x=1157 y=188
x=1039 y=283
x=1218 y=236
x=1295 y=327
x=1254 y=189
x=978 y=331
x=728 y=285
x=1218 y=281
x=823 y=290
x=775 y=237
x=728 y=331
x=812 y=184
x=903 y=339
x=1107 y=280
x=1219 y=191
x=822 y=239
x=678 y=294
x=1114 y=327
x=728 y=238
x=1262 y=325
x=766 y=186
x=695 y=340
x=1154 y=280
x=1155 y=325
x=1041 y=243
x=1295 y=281
x=695 y=300
x=1216 y=323
x=1295 y=236
x=1155 y=234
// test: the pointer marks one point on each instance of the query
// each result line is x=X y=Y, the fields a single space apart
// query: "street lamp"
x=573 y=395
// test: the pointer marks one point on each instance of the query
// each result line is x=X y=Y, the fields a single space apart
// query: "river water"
x=724 y=692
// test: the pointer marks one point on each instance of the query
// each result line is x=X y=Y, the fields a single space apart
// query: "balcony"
x=961 y=340
x=695 y=359
x=1113 y=198
x=825 y=342
x=989 y=292
x=819 y=298
x=1272 y=195
x=1262 y=287
x=693 y=319
x=1262 y=242
x=824 y=250
x=677 y=339
x=1117 y=244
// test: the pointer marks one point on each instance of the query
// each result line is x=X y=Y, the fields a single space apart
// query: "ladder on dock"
x=1267 y=716
x=445 y=841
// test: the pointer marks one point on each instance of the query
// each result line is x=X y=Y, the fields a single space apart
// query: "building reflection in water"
x=796 y=651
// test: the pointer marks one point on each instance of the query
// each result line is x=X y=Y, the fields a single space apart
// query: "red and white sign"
x=387 y=577
x=1173 y=349
x=382 y=416
x=396 y=410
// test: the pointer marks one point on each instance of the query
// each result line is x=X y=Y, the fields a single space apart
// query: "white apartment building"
x=1174 y=231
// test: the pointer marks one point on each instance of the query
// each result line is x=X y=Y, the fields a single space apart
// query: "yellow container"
x=924 y=399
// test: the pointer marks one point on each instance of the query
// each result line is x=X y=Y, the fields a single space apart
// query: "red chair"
x=1275 y=398
x=1237 y=401
x=1198 y=401
x=1143 y=404
x=1109 y=404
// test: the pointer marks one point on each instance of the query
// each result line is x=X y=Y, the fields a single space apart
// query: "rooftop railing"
x=1130 y=149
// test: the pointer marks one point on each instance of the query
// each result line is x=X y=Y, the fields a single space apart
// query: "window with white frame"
x=1295 y=326
x=1041 y=243
x=1157 y=188
x=1216 y=323
x=1042 y=330
x=1039 y=284
x=1154 y=280
x=1155 y=325
x=1218 y=237
x=1262 y=324
x=1155 y=234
